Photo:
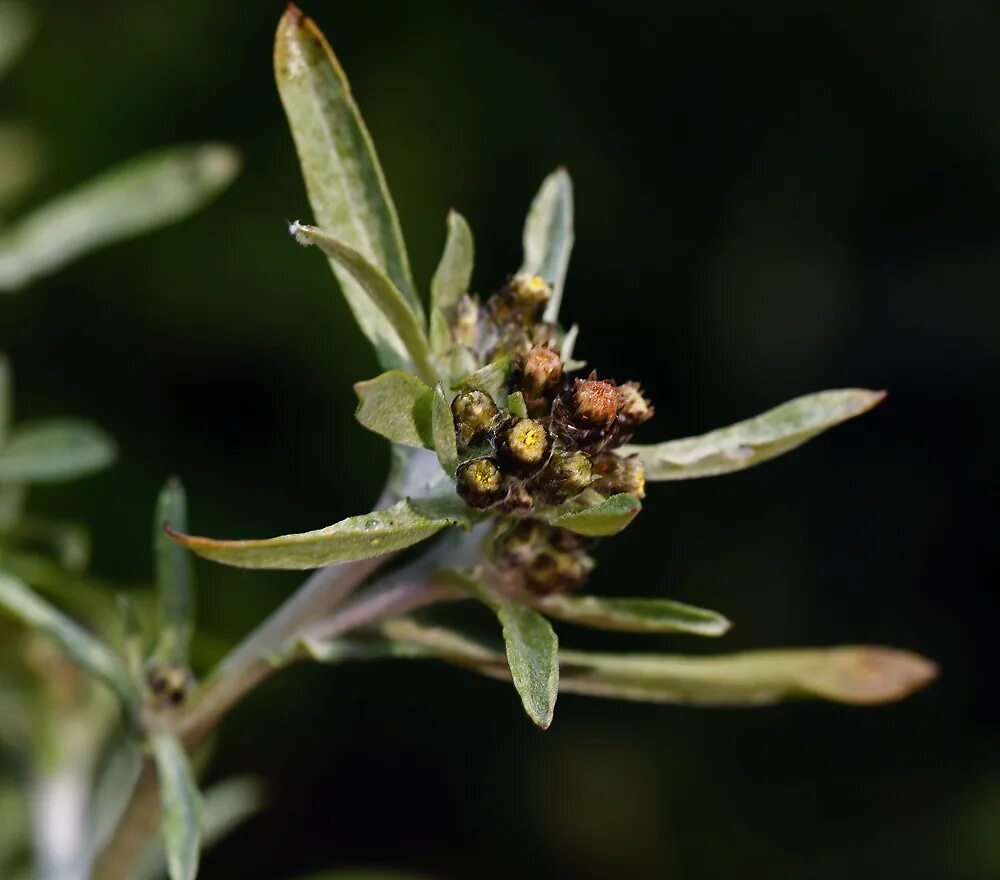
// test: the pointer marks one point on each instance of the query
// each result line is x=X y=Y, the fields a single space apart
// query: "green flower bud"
x=616 y=474
x=526 y=445
x=475 y=414
x=480 y=482
x=566 y=475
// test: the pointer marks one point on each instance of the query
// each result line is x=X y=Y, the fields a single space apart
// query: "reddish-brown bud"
x=595 y=404
x=542 y=371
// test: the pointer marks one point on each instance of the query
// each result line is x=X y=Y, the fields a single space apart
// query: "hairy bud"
x=595 y=404
x=542 y=371
x=616 y=474
x=636 y=409
x=480 y=482
x=475 y=414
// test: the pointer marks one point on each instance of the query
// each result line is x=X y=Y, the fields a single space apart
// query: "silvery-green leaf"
x=532 y=653
x=17 y=23
x=394 y=327
x=21 y=160
x=181 y=806
x=132 y=647
x=516 y=405
x=54 y=450
x=492 y=379
x=397 y=406
x=6 y=399
x=633 y=615
x=454 y=273
x=849 y=674
x=81 y=647
x=755 y=440
x=357 y=537
x=133 y=198
x=607 y=517
x=443 y=428
x=548 y=236
x=226 y=806
x=174 y=576
x=861 y=675
x=343 y=178
x=440 y=335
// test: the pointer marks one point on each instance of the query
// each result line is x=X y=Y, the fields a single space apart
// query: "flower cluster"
x=543 y=439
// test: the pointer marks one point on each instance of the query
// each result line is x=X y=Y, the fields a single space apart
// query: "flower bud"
x=595 y=404
x=541 y=372
x=480 y=483
x=475 y=414
x=530 y=291
x=549 y=559
x=169 y=684
x=557 y=571
x=466 y=327
x=635 y=408
x=616 y=474
x=526 y=445
x=566 y=476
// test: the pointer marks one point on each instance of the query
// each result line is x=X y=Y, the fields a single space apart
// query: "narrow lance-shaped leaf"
x=548 y=236
x=605 y=518
x=344 y=180
x=443 y=427
x=357 y=537
x=454 y=273
x=755 y=440
x=633 y=615
x=395 y=328
x=174 y=576
x=133 y=198
x=851 y=674
x=181 y=806
x=532 y=653
x=397 y=406
x=84 y=649
x=54 y=450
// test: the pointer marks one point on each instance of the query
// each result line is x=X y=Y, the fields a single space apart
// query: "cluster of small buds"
x=168 y=684
x=550 y=560
x=562 y=441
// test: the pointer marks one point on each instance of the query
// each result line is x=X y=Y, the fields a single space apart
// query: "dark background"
x=772 y=198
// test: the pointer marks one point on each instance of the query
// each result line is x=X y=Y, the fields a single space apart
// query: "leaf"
x=492 y=379
x=853 y=674
x=861 y=675
x=440 y=333
x=181 y=806
x=174 y=577
x=608 y=517
x=17 y=23
x=133 y=198
x=80 y=646
x=633 y=615
x=443 y=429
x=394 y=327
x=548 y=236
x=516 y=405
x=532 y=653
x=346 y=187
x=357 y=537
x=755 y=440
x=454 y=273
x=54 y=450
x=397 y=406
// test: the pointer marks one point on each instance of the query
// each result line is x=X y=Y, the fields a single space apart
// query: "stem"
x=240 y=672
